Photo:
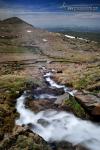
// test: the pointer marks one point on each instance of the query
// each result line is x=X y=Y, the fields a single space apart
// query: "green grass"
x=18 y=49
x=12 y=81
x=82 y=83
x=76 y=107
x=87 y=81
x=10 y=88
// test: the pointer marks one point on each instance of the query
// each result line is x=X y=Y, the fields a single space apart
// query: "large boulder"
x=91 y=103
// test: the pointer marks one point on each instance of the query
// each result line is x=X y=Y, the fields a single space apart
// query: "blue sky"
x=48 y=13
x=50 y=1
x=45 y=4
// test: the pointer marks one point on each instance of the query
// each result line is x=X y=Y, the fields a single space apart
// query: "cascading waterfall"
x=59 y=125
x=55 y=85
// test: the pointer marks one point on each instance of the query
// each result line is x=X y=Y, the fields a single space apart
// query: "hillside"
x=19 y=41
x=26 y=55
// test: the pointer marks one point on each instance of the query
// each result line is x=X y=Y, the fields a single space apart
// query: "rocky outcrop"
x=91 y=103
x=47 y=90
x=23 y=138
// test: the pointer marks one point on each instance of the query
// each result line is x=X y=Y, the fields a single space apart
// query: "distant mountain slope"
x=14 y=35
x=13 y=20
x=13 y=24
x=17 y=35
x=90 y=35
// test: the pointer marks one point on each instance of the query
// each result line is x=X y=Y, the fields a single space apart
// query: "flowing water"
x=54 y=125
x=53 y=84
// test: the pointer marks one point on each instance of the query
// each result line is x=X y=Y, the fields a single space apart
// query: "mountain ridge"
x=14 y=20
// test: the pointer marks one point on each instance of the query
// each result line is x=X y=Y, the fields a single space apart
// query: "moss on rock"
x=76 y=107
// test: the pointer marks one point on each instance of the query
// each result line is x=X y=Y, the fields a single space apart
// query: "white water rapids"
x=59 y=125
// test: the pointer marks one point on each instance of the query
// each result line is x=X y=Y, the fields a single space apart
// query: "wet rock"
x=40 y=105
x=43 y=122
x=53 y=146
x=61 y=98
x=96 y=109
x=68 y=146
x=61 y=146
x=31 y=126
x=47 y=90
x=91 y=103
